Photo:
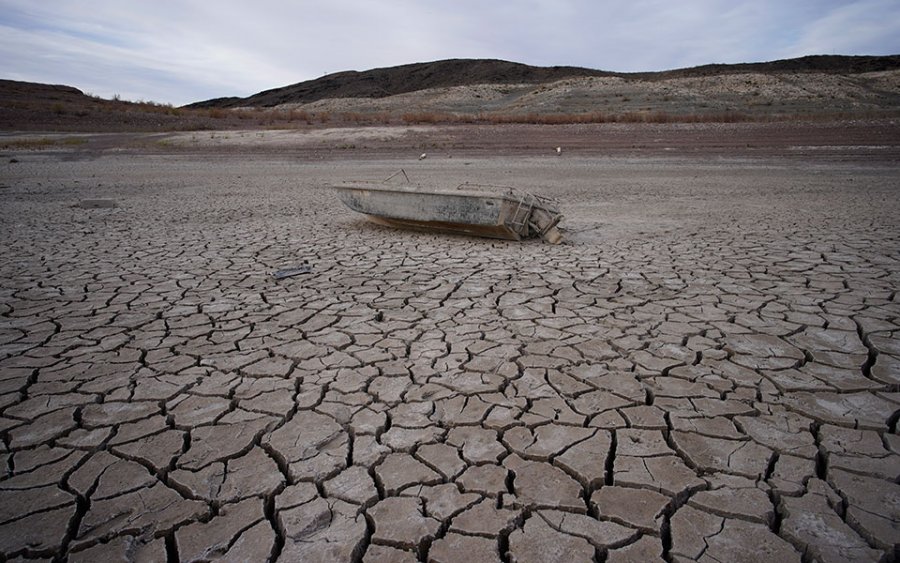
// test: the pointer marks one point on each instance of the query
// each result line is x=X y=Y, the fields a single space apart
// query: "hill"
x=454 y=73
x=391 y=81
x=492 y=91
x=30 y=106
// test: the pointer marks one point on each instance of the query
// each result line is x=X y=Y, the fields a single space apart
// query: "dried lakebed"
x=706 y=371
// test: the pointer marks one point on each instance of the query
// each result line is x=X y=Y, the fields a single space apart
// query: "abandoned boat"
x=487 y=211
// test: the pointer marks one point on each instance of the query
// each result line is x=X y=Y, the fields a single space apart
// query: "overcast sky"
x=181 y=51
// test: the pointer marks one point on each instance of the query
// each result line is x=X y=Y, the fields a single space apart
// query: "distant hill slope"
x=14 y=91
x=491 y=91
x=31 y=106
x=827 y=64
x=392 y=81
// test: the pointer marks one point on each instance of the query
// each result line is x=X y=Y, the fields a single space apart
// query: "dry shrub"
x=429 y=117
x=351 y=117
x=381 y=117
x=646 y=116
x=299 y=115
x=274 y=118
x=29 y=144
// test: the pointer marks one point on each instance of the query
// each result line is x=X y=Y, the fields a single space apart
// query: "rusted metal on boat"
x=471 y=209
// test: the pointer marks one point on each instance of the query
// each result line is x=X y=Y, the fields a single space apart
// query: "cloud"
x=185 y=50
x=856 y=28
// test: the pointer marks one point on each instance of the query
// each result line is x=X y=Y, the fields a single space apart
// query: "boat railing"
x=520 y=218
x=392 y=176
x=509 y=190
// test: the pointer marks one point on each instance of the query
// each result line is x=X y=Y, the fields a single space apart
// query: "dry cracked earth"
x=708 y=370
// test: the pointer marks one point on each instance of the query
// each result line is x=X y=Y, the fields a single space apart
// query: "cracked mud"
x=708 y=370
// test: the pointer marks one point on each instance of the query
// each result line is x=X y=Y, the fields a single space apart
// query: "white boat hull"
x=469 y=210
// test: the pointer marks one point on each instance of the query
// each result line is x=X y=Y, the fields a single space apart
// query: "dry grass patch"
x=41 y=143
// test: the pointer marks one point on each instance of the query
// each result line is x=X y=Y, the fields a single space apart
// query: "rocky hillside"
x=384 y=82
x=29 y=106
x=490 y=91
x=804 y=85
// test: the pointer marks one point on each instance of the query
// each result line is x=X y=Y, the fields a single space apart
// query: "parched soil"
x=872 y=140
x=707 y=369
